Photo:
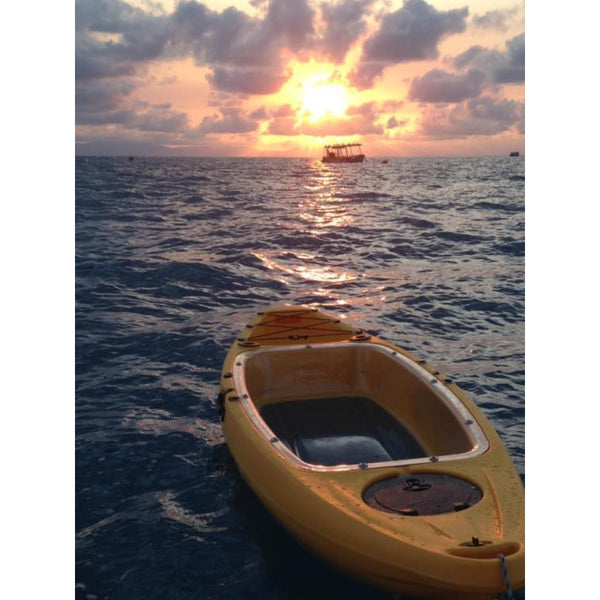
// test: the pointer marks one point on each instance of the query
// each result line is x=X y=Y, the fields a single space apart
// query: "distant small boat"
x=385 y=162
x=515 y=153
x=131 y=158
x=343 y=153
x=371 y=458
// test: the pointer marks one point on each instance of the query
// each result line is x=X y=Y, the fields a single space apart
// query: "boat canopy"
x=342 y=149
x=343 y=153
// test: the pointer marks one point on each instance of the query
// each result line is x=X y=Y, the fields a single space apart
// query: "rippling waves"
x=172 y=258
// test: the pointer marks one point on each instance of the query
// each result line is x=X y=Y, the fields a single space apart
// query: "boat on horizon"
x=343 y=153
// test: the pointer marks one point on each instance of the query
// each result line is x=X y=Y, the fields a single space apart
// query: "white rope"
x=509 y=594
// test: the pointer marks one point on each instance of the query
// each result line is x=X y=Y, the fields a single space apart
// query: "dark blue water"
x=173 y=256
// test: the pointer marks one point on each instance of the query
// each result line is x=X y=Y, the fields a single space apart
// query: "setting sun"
x=321 y=99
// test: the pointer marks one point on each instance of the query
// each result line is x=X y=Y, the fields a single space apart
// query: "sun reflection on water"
x=323 y=206
x=300 y=265
x=325 y=212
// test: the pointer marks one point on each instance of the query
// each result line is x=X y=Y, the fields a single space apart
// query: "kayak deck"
x=335 y=431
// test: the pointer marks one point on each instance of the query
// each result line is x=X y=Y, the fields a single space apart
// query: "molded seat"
x=335 y=431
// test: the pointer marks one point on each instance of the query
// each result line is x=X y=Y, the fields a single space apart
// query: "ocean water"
x=174 y=255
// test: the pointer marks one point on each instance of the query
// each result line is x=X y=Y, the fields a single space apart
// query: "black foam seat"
x=346 y=430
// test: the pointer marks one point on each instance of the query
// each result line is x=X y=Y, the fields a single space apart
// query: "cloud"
x=231 y=120
x=439 y=86
x=109 y=103
x=231 y=38
x=283 y=121
x=391 y=105
x=244 y=53
x=341 y=127
x=344 y=23
x=283 y=126
x=359 y=120
x=411 y=33
x=285 y=110
x=260 y=114
x=133 y=35
x=290 y=22
x=474 y=117
x=488 y=68
x=98 y=99
x=499 y=67
x=247 y=80
x=495 y=19
x=158 y=117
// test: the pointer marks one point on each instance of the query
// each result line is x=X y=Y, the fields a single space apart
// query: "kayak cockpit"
x=334 y=431
x=353 y=405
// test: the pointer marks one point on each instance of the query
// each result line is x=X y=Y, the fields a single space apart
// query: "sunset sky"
x=283 y=77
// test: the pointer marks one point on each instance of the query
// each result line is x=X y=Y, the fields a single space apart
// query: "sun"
x=320 y=99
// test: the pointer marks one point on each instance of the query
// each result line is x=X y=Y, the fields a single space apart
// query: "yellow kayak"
x=371 y=458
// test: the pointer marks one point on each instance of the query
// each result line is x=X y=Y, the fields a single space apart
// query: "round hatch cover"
x=422 y=494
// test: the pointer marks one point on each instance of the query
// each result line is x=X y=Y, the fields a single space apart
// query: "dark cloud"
x=260 y=114
x=439 y=86
x=290 y=22
x=230 y=38
x=158 y=117
x=479 y=116
x=247 y=80
x=88 y=65
x=103 y=102
x=344 y=23
x=231 y=120
x=499 y=67
x=244 y=53
x=495 y=19
x=108 y=103
x=486 y=68
x=411 y=33
x=136 y=35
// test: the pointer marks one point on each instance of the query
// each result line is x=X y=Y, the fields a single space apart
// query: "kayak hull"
x=431 y=506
